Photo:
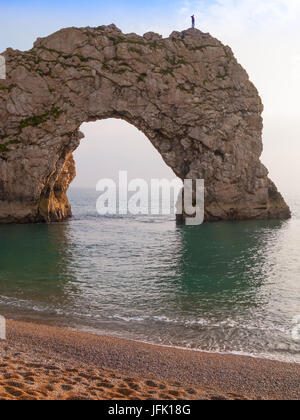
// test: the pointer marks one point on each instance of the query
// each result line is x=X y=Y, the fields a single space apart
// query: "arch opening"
x=111 y=147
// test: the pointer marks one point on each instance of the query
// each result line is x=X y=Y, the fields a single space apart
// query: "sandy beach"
x=47 y=363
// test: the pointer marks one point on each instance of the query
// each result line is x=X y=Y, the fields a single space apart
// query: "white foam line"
x=226 y=353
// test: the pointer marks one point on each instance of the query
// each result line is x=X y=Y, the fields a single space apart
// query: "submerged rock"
x=186 y=93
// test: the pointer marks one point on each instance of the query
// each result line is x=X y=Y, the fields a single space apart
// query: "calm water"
x=229 y=287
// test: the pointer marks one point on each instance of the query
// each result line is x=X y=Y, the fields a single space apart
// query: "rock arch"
x=187 y=93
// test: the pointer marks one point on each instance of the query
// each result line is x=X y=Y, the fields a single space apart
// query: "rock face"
x=186 y=93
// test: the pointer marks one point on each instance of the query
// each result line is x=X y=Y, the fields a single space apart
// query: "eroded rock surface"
x=186 y=93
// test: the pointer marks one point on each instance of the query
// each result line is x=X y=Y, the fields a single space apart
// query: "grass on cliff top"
x=190 y=89
x=167 y=71
x=4 y=147
x=175 y=60
x=119 y=40
x=8 y=88
x=141 y=77
x=36 y=120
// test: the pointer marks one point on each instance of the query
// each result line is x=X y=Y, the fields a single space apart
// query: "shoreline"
x=95 y=332
x=222 y=353
x=153 y=369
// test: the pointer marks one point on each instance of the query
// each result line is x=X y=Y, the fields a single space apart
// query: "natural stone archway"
x=187 y=93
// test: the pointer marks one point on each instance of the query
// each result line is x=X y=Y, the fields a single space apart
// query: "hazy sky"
x=264 y=36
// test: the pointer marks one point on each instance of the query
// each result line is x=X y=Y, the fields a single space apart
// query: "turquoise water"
x=228 y=287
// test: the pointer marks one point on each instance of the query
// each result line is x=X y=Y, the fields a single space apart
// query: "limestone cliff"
x=187 y=93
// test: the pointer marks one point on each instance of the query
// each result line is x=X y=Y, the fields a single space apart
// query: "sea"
x=226 y=287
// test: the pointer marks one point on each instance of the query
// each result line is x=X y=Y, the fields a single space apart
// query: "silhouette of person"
x=193 y=21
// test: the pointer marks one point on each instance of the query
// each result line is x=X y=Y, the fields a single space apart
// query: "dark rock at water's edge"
x=186 y=93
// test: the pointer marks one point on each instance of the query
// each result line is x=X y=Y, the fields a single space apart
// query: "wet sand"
x=42 y=362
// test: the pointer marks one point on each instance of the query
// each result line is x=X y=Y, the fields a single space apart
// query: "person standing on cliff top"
x=193 y=21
